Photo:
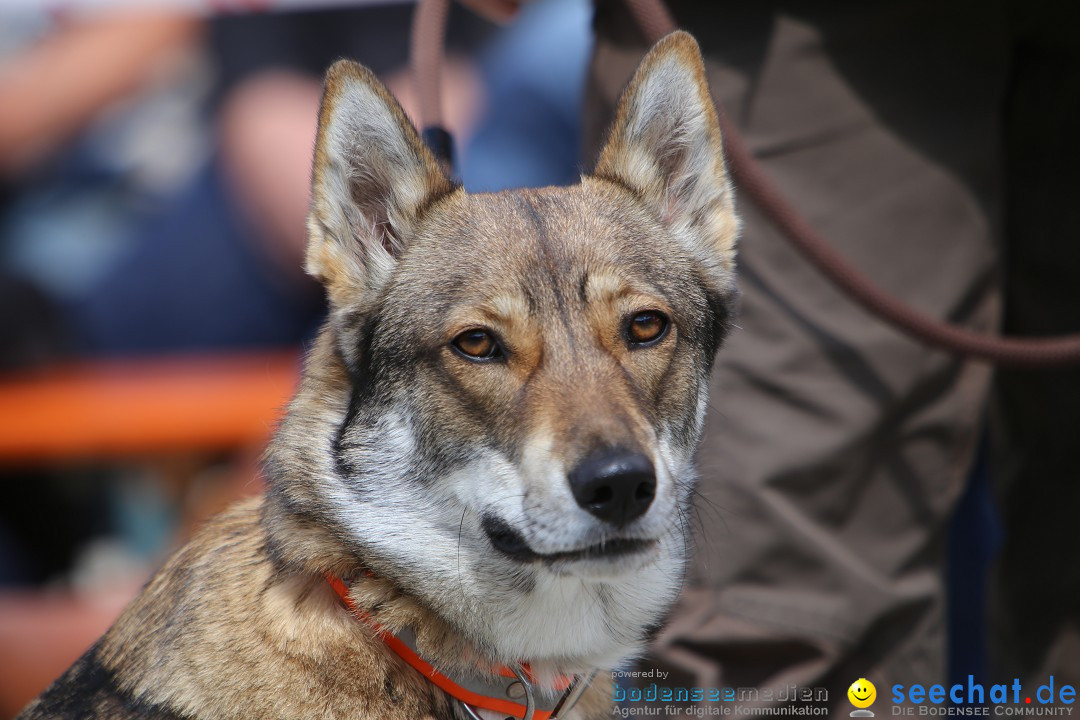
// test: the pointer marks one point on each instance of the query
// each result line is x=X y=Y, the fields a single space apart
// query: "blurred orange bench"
x=135 y=407
x=115 y=410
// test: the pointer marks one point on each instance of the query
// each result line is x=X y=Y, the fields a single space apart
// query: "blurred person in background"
x=85 y=108
x=115 y=209
x=529 y=134
x=159 y=201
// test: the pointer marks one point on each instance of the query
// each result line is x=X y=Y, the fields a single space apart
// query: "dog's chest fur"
x=217 y=634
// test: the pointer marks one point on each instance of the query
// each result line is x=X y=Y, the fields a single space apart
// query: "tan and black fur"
x=445 y=475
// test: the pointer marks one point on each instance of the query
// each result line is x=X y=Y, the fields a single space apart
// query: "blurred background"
x=154 y=171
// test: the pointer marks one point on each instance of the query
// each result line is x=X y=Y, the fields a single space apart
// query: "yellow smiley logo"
x=862 y=693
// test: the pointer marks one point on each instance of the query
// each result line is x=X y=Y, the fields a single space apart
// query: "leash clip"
x=569 y=699
x=530 y=701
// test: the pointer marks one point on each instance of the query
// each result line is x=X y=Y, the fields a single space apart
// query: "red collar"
x=504 y=690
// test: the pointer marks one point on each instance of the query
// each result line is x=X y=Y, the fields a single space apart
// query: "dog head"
x=527 y=370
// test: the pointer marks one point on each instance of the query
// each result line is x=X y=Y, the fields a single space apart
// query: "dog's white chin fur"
x=588 y=617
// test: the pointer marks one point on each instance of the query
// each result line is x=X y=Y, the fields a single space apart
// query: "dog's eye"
x=477 y=345
x=647 y=327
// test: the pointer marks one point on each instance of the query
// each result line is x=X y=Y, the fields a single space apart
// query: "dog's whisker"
x=460 y=578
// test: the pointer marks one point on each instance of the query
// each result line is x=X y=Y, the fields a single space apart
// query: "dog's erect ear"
x=372 y=177
x=665 y=146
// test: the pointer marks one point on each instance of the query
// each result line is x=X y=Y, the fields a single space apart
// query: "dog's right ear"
x=665 y=146
x=372 y=177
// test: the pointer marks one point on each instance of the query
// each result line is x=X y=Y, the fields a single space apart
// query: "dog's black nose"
x=614 y=485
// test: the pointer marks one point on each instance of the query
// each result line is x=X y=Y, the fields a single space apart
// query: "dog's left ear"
x=372 y=177
x=665 y=146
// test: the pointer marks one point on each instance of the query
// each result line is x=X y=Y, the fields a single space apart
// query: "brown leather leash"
x=654 y=20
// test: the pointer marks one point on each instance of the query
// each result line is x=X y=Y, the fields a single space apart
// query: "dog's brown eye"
x=477 y=345
x=646 y=327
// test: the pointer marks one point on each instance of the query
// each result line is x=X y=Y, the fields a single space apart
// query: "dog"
x=477 y=500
